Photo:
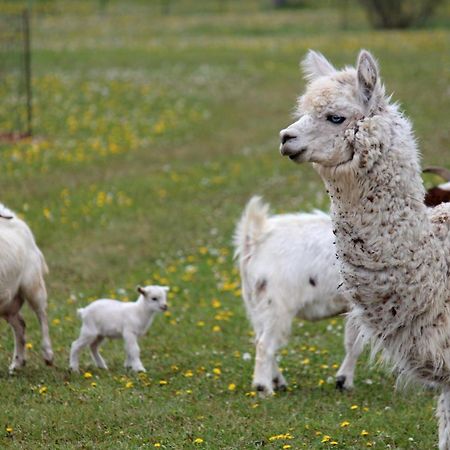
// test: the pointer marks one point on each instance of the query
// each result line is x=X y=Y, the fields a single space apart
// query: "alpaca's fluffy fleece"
x=394 y=252
x=288 y=268
x=22 y=270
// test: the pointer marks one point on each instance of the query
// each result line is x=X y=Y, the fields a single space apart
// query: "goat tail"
x=251 y=227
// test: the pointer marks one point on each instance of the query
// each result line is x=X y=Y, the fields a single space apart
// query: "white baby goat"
x=115 y=319
x=22 y=270
x=288 y=268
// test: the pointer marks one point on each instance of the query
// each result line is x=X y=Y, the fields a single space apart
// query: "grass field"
x=152 y=132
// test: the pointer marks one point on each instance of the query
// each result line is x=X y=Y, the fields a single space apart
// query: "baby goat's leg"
x=84 y=340
x=18 y=326
x=132 y=352
x=98 y=360
x=37 y=299
x=353 y=348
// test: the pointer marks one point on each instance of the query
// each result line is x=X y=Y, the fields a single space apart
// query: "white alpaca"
x=288 y=268
x=115 y=319
x=22 y=270
x=393 y=251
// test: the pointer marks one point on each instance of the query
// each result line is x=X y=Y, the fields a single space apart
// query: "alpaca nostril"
x=286 y=137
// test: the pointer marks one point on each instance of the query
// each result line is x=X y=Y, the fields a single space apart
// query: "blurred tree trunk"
x=399 y=13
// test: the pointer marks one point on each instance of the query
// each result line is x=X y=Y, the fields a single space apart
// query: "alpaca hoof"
x=340 y=382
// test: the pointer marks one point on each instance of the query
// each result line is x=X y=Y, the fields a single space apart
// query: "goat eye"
x=155 y=299
x=335 y=119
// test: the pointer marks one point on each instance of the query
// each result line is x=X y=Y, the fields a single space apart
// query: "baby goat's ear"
x=166 y=288
x=368 y=78
x=315 y=65
x=140 y=290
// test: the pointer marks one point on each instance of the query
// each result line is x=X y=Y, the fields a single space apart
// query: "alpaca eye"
x=335 y=119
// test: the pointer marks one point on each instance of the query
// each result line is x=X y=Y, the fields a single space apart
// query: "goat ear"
x=315 y=65
x=140 y=290
x=166 y=288
x=368 y=78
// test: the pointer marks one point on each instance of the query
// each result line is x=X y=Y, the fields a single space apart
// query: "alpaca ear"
x=367 y=71
x=315 y=65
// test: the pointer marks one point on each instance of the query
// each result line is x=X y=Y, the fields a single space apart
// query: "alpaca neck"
x=382 y=229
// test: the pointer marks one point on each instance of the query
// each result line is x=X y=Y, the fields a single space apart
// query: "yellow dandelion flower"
x=216 y=329
x=321 y=382
x=156 y=444
x=198 y=441
x=318 y=433
x=94 y=384
x=255 y=405
x=188 y=374
x=231 y=387
x=129 y=384
x=217 y=371
x=333 y=443
x=43 y=390
x=305 y=361
x=345 y=424
x=369 y=444
x=87 y=375
x=250 y=394
x=326 y=438
x=216 y=303
x=9 y=430
x=364 y=433
x=200 y=323
x=286 y=446
x=162 y=382
x=354 y=407
x=56 y=321
x=29 y=346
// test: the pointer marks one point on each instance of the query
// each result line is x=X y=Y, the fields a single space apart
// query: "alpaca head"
x=331 y=111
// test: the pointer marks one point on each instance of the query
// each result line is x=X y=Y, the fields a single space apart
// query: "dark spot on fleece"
x=261 y=285
x=312 y=281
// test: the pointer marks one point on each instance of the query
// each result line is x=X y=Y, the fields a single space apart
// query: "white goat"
x=115 y=319
x=288 y=268
x=22 y=270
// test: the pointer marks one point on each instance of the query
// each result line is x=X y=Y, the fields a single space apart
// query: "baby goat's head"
x=329 y=111
x=155 y=296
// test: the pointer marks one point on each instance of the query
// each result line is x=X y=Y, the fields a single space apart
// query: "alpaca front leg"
x=443 y=414
x=132 y=353
x=353 y=348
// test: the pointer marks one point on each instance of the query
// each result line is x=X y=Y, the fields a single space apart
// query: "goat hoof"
x=279 y=385
x=340 y=382
x=49 y=362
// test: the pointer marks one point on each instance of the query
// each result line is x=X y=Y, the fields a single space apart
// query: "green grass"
x=152 y=132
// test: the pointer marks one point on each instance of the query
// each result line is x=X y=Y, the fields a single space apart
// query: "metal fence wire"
x=15 y=76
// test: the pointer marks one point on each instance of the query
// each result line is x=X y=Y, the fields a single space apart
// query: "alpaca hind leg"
x=18 y=326
x=353 y=348
x=443 y=414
